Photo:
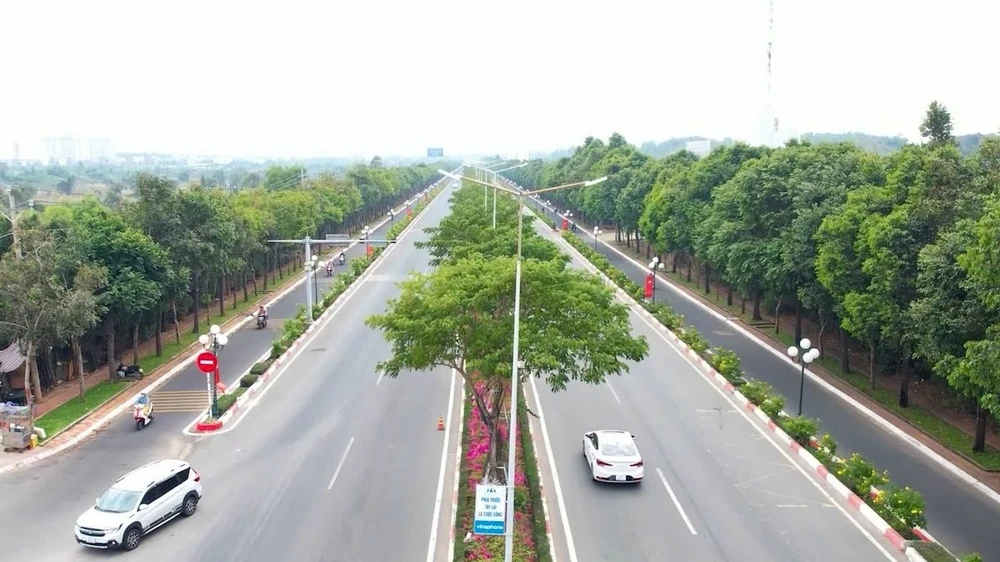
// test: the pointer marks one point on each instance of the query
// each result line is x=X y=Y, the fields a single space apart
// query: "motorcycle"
x=261 y=321
x=129 y=372
x=343 y=259
x=142 y=414
x=329 y=270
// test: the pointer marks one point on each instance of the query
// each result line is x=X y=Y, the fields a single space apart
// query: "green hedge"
x=260 y=367
x=541 y=538
x=466 y=494
x=248 y=380
x=903 y=508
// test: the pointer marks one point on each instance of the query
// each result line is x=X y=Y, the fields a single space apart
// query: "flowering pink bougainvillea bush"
x=474 y=461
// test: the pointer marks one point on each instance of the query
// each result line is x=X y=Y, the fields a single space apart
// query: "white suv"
x=138 y=503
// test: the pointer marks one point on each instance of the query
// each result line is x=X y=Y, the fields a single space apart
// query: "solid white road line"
x=882 y=422
x=358 y=284
x=340 y=465
x=380 y=375
x=677 y=502
x=577 y=257
x=439 y=495
x=570 y=545
x=613 y=393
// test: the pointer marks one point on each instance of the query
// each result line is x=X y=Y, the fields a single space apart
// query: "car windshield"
x=117 y=501
x=618 y=449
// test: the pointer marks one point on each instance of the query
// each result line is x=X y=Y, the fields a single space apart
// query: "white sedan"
x=613 y=456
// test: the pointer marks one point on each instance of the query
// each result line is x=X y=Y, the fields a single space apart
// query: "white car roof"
x=614 y=435
x=140 y=479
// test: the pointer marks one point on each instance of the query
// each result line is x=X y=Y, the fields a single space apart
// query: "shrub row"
x=903 y=508
x=542 y=547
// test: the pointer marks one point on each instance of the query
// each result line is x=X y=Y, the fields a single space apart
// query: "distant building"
x=99 y=150
x=61 y=150
x=699 y=147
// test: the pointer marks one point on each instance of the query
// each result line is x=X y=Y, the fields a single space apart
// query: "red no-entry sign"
x=207 y=362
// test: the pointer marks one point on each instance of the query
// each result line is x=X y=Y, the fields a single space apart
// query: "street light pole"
x=214 y=341
x=808 y=355
x=597 y=232
x=653 y=266
x=516 y=364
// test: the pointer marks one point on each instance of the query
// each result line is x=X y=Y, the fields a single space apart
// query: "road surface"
x=961 y=517
x=715 y=486
x=266 y=480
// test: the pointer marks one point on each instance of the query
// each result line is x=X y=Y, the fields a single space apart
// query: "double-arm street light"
x=486 y=171
x=516 y=364
x=597 y=232
x=214 y=341
x=392 y=218
x=806 y=354
x=654 y=265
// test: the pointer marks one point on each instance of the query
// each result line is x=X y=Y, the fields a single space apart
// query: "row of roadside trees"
x=900 y=252
x=80 y=279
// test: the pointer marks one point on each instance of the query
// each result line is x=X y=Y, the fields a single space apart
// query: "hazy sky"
x=294 y=78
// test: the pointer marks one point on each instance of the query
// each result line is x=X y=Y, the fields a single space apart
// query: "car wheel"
x=132 y=538
x=190 y=505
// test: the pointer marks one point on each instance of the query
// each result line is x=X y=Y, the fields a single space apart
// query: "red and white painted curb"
x=251 y=392
x=709 y=372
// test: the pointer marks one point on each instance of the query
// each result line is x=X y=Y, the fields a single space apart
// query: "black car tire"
x=190 y=505
x=132 y=538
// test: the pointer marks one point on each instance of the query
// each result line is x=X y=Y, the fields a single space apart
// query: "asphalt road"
x=266 y=479
x=740 y=497
x=959 y=516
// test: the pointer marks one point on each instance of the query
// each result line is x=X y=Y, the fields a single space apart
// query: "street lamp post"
x=516 y=364
x=392 y=218
x=654 y=265
x=364 y=234
x=313 y=267
x=214 y=341
x=597 y=232
x=806 y=354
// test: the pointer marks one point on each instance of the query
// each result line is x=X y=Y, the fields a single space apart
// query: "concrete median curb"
x=850 y=498
x=251 y=392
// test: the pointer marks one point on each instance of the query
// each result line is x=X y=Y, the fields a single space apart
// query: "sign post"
x=207 y=362
x=491 y=503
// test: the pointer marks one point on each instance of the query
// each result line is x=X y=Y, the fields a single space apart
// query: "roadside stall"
x=16 y=427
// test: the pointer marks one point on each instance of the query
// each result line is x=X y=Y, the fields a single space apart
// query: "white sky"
x=321 y=78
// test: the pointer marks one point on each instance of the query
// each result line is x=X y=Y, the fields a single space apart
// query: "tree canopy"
x=461 y=315
x=899 y=251
x=164 y=247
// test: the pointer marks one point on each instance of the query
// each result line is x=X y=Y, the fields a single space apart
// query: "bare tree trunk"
x=253 y=279
x=135 y=342
x=690 y=263
x=904 y=384
x=109 y=334
x=777 y=318
x=222 y=290
x=196 y=294
x=177 y=324
x=729 y=295
x=708 y=279
x=822 y=328
x=78 y=366
x=756 y=306
x=979 y=443
x=871 y=363
x=845 y=352
x=246 y=294
x=158 y=338
x=36 y=384
x=267 y=268
x=673 y=265
x=798 y=325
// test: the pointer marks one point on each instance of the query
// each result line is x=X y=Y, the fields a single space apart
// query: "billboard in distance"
x=435 y=152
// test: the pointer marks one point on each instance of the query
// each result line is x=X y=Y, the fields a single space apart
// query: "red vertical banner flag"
x=565 y=224
x=409 y=212
x=649 y=286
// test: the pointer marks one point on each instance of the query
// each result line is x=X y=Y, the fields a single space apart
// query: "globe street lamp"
x=653 y=266
x=214 y=341
x=806 y=354
x=597 y=232
x=364 y=235
x=392 y=218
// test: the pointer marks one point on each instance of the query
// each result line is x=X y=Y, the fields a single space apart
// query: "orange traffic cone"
x=440 y=423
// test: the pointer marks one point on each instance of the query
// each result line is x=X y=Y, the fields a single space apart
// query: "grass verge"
x=62 y=416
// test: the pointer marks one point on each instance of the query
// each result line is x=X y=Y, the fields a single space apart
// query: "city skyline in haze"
x=312 y=79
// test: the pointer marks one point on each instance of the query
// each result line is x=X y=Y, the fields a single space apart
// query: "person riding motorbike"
x=262 y=312
x=145 y=402
x=342 y=258
x=329 y=268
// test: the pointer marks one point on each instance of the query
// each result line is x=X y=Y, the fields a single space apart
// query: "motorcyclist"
x=143 y=399
x=329 y=268
x=342 y=258
x=262 y=311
